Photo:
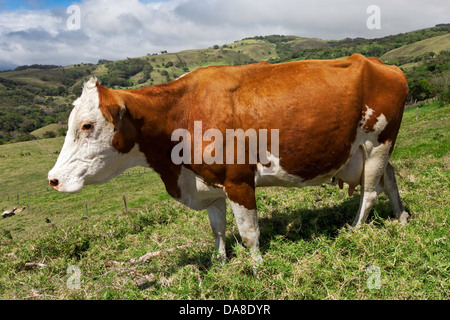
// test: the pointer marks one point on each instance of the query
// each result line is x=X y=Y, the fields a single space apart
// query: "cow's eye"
x=87 y=127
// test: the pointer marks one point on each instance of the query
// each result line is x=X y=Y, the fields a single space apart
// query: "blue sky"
x=33 y=31
x=12 y=5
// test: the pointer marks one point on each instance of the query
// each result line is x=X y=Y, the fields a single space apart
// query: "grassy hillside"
x=435 y=44
x=309 y=250
x=54 y=129
x=36 y=96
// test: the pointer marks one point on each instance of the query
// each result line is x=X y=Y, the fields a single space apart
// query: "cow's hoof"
x=218 y=260
x=403 y=217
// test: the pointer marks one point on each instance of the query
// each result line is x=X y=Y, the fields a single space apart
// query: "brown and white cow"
x=334 y=118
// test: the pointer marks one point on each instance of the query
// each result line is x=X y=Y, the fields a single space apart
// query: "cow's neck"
x=156 y=112
x=157 y=106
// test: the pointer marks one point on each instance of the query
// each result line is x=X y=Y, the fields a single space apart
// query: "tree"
x=62 y=131
x=419 y=89
x=49 y=134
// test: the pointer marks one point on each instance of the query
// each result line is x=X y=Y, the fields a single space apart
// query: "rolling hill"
x=32 y=97
x=435 y=44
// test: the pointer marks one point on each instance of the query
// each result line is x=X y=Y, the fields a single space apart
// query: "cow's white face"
x=88 y=155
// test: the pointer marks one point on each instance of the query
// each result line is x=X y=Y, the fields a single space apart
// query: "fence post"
x=417 y=110
x=125 y=203
x=85 y=205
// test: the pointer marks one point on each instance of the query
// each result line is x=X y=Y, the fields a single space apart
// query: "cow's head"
x=100 y=141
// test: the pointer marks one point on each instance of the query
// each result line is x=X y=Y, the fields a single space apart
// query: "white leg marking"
x=217 y=217
x=374 y=166
x=247 y=222
x=391 y=190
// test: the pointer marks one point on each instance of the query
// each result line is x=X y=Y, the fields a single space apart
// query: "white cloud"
x=116 y=29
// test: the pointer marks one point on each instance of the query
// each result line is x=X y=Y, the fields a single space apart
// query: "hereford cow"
x=332 y=118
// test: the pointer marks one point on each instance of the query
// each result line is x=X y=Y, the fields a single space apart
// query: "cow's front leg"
x=243 y=203
x=247 y=222
x=217 y=217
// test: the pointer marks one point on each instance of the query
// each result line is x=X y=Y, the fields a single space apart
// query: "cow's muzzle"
x=54 y=183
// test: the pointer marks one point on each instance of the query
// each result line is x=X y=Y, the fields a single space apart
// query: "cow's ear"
x=112 y=107
x=126 y=135
x=115 y=113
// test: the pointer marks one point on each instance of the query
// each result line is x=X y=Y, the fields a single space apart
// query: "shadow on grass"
x=295 y=225
x=300 y=223
x=304 y=224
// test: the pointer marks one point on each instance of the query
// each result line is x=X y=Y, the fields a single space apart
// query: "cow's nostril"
x=53 y=182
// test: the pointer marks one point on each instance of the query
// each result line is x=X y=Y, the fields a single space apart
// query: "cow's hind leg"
x=391 y=190
x=375 y=160
x=217 y=218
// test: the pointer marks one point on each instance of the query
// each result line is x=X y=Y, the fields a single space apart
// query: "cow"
x=334 y=118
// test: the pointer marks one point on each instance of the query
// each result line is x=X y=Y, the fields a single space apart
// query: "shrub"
x=61 y=131
x=49 y=134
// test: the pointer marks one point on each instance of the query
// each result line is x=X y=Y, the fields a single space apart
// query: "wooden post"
x=417 y=110
x=85 y=205
x=125 y=203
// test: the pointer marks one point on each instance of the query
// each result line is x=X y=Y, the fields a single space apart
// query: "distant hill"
x=434 y=44
x=35 y=96
x=49 y=131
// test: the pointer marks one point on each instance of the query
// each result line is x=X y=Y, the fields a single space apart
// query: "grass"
x=309 y=250
x=39 y=133
x=434 y=44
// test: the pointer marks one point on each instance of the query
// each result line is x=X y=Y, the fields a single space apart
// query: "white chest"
x=195 y=192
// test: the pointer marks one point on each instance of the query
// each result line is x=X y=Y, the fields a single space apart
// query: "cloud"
x=116 y=29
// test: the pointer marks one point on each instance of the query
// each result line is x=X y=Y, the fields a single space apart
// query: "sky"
x=64 y=32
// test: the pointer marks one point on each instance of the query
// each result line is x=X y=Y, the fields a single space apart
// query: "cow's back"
x=317 y=106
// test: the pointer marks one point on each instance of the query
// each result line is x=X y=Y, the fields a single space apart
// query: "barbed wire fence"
x=27 y=198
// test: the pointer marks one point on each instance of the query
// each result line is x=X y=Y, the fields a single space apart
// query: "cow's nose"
x=53 y=182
